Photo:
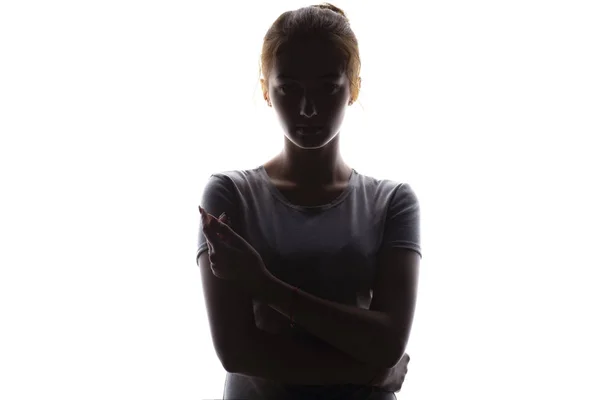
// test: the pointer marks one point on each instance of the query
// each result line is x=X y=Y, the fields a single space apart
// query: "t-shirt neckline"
x=273 y=189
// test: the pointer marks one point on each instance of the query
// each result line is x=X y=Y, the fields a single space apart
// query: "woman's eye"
x=289 y=88
x=331 y=87
x=286 y=88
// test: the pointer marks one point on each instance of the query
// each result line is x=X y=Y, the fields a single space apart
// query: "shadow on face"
x=308 y=85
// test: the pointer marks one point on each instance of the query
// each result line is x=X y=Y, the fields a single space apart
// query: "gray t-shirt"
x=328 y=250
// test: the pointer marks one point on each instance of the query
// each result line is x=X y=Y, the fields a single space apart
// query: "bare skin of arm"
x=243 y=348
x=236 y=341
x=395 y=293
x=283 y=358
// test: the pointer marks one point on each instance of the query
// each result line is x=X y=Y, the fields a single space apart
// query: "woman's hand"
x=231 y=257
x=391 y=379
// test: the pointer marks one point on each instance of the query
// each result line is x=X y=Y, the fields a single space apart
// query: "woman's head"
x=310 y=65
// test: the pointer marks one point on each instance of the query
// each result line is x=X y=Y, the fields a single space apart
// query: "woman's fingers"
x=211 y=254
x=224 y=220
x=218 y=226
x=215 y=236
x=216 y=229
x=208 y=222
x=208 y=225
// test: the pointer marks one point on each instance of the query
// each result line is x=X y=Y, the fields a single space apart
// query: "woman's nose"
x=307 y=107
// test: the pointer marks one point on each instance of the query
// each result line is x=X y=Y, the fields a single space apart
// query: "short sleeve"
x=218 y=196
x=402 y=226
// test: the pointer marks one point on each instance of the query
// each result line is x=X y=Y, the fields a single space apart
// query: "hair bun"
x=329 y=6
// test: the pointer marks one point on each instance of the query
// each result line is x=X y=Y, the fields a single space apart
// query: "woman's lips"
x=309 y=130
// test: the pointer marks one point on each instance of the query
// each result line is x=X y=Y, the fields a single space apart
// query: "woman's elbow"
x=231 y=356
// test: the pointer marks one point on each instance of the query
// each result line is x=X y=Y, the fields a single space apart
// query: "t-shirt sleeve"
x=402 y=226
x=218 y=196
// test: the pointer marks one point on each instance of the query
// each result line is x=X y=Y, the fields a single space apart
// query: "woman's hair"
x=324 y=21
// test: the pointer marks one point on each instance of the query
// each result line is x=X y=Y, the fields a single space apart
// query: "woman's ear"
x=265 y=90
x=358 y=81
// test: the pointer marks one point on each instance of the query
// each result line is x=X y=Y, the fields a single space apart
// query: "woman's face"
x=309 y=91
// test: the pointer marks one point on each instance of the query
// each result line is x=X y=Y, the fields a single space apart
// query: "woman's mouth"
x=309 y=130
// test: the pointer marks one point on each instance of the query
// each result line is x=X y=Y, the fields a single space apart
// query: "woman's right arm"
x=285 y=359
x=245 y=349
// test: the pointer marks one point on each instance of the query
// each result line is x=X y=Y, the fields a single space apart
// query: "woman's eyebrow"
x=330 y=75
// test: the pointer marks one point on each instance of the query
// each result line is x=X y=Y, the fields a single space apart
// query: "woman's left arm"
x=377 y=336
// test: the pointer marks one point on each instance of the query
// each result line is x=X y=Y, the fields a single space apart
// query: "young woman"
x=310 y=278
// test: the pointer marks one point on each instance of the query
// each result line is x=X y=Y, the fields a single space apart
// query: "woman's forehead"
x=303 y=47
x=309 y=60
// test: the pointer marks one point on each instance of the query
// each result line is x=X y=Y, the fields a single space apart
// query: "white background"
x=114 y=114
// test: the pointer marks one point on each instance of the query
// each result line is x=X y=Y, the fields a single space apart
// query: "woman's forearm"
x=285 y=359
x=366 y=335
